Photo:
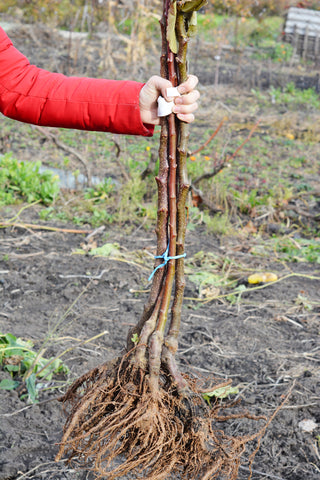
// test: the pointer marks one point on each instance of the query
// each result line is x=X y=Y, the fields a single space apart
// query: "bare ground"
x=266 y=343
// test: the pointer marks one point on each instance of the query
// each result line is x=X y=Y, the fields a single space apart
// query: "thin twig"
x=296 y=407
x=67 y=350
x=27 y=226
x=251 y=470
x=25 y=207
x=303 y=213
x=254 y=128
x=26 y=474
x=89 y=277
x=251 y=289
x=65 y=147
x=219 y=165
x=16 y=412
x=25 y=255
x=124 y=172
x=95 y=232
x=208 y=141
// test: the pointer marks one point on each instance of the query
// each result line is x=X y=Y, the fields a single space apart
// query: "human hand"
x=184 y=106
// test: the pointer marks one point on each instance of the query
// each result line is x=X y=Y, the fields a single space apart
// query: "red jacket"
x=33 y=95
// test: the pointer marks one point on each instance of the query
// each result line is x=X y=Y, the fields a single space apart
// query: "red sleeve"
x=34 y=95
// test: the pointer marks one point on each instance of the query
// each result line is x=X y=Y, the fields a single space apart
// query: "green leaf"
x=107 y=250
x=192 y=24
x=187 y=6
x=7 y=338
x=171 y=27
x=27 y=361
x=135 y=338
x=8 y=384
x=201 y=279
x=11 y=368
x=23 y=180
x=221 y=393
x=31 y=387
x=12 y=351
x=49 y=369
x=12 y=346
x=12 y=341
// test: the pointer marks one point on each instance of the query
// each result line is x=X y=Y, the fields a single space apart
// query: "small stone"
x=307 y=425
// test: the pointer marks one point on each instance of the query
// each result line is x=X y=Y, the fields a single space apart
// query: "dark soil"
x=251 y=342
x=267 y=343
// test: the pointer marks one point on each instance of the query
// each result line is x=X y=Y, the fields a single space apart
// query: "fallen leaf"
x=250 y=228
x=209 y=292
x=196 y=200
x=107 y=250
x=290 y=136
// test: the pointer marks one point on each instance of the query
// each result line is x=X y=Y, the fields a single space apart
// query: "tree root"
x=116 y=426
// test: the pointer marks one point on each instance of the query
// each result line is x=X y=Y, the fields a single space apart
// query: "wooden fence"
x=302 y=31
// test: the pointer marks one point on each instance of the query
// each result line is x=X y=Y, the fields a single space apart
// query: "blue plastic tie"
x=166 y=259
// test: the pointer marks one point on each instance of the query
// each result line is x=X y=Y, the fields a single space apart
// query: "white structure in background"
x=302 y=30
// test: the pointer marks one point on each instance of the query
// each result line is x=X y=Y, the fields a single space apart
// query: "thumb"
x=160 y=85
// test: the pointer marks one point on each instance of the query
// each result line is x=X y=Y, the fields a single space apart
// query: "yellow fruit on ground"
x=262 y=277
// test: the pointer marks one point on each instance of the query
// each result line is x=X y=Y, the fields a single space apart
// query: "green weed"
x=290 y=95
x=304 y=302
x=235 y=296
x=100 y=191
x=290 y=250
x=282 y=52
x=219 y=224
x=220 y=393
x=299 y=250
x=132 y=205
x=93 y=211
x=210 y=273
x=22 y=181
x=204 y=279
x=135 y=338
x=262 y=33
x=23 y=363
x=50 y=213
x=107 y=250
x=247 y=200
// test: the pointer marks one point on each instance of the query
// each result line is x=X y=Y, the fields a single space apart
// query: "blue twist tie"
x=166 y=259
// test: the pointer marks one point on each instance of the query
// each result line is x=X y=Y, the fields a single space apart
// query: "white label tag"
x=164 y=107
x=173 y=92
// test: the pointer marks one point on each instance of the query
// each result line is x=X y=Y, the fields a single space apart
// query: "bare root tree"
x=139 y=413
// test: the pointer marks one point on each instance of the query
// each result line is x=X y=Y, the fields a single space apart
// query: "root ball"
x=116 y=426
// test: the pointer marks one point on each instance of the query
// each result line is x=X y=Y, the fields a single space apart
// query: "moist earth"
x=251 y=342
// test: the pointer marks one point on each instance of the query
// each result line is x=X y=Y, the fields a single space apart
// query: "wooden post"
x=305 y=44
x=317 y=49
x=294 y=43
